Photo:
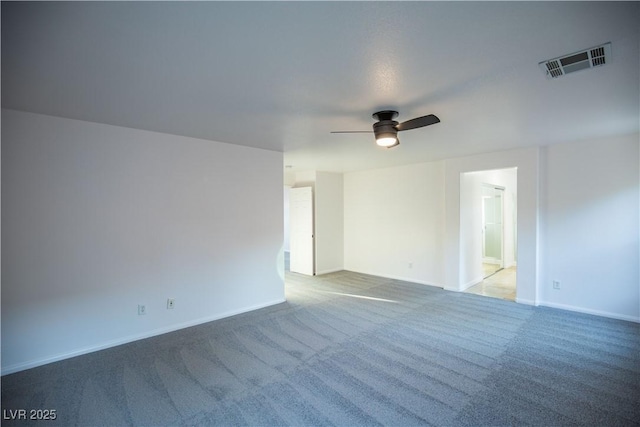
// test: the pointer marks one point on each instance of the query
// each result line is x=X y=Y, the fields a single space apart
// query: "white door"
x=301 y=230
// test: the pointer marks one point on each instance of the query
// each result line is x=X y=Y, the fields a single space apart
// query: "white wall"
x=98 y=219
x=394 y=222
x=329 y=223
x=305 y=179
x=577 y=221
x=591 y=227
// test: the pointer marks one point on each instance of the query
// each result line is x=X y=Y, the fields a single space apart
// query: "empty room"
x=320 y=213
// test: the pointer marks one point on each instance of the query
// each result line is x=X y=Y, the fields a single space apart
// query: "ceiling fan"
x=386 y=129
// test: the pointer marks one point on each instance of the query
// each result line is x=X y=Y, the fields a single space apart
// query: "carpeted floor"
x=349 y=349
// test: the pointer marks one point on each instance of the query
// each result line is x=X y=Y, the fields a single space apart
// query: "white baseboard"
x=590 y=311
x=404 y=279
x=125 y=340
x=464 y=286
x=525 y=301
x=471 y=283
x=335 y=270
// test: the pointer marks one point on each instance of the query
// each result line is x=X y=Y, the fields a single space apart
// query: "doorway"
x=488 y=224
x=301 y=226
x=492 y=229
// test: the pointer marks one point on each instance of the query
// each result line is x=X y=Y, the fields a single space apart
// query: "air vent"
x=593 y=57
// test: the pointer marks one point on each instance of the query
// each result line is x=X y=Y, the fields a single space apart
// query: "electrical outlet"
x=556 y=284
x=170 y=303
x=141 y=310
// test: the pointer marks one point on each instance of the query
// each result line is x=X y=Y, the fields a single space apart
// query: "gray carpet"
x=349 y=349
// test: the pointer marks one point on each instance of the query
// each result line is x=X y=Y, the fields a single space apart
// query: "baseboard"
x=39 y=362
x=471 y=283
x=335 y=270
x=392 y=277
x=464 y=286
x=590 y=311
x=526 y=301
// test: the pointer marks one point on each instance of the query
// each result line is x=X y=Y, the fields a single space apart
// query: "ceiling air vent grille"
x=589 y=58
x=553 y=68
x=598 y=57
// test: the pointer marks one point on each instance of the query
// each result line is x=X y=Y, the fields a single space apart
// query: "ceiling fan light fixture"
x=386 y=133
x=387 y=141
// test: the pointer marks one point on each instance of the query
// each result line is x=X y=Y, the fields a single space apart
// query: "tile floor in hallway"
x=500 y=285
x=489 y=269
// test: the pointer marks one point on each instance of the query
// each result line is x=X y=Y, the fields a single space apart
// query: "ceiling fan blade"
x=418 y=122
x=352 y=131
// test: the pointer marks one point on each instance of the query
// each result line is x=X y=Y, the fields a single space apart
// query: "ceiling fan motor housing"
x=386 y=127
x=385 y=115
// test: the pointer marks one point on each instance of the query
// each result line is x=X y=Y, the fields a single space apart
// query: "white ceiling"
x=282 y=75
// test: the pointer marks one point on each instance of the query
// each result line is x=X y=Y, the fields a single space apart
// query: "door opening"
x=488 y=224
x=492 y=229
